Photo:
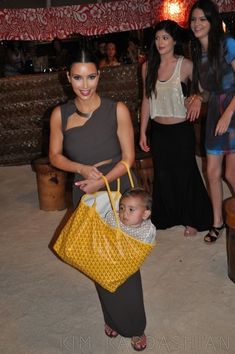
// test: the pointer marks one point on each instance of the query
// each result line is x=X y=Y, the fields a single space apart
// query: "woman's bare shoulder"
x=187 y=63
x=56 y=114
x=187 y=67
x=121 y=106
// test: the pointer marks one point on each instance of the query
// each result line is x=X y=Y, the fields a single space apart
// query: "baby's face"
x=132 y=211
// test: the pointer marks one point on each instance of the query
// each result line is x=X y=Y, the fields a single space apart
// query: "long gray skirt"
x=123 y=310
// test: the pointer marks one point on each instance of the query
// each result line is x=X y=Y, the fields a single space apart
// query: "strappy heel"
x=214 y=234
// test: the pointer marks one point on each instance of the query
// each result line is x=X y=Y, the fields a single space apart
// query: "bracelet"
x=195 y=97
x=199 y=97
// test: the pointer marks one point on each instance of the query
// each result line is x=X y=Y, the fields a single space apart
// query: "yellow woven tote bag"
x=105 y=254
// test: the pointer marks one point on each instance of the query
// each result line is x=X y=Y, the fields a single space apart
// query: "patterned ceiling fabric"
x=90 y=19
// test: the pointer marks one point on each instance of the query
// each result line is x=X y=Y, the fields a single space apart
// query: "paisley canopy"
x=90 y=19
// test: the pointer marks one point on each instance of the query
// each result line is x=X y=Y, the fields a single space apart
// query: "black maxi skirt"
x=179 y=193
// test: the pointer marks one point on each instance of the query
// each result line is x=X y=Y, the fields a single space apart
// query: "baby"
x=134 y=214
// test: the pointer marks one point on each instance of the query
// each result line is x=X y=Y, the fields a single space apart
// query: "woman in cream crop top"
x=163 y=76
x=168 y=98
x=179 y=194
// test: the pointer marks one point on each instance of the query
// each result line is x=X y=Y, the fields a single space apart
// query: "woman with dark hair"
x=89 y=136
x=110 y=58
x=179 y=194
x=213 y=55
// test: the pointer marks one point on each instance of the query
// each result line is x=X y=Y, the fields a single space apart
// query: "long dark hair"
x=83 y=55
x=215 y=41
x=175 y=31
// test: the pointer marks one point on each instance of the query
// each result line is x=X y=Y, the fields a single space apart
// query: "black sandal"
x=214 y=234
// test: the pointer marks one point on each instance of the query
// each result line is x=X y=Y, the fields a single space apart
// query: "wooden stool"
x=229 y=206
x=51 y=184
x=144 y=171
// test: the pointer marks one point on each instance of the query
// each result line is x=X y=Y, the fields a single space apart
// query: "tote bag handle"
x=110 y=194
x=129 y=173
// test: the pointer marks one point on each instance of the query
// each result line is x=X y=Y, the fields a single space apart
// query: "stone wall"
x=27 y=102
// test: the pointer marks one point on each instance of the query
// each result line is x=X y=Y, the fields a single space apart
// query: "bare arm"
x=192 y=103
x=144 y=116
x=225 y=119
x=56 y=156
x=125 y=134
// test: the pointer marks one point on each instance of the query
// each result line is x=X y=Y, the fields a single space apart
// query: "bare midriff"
x=169 y=120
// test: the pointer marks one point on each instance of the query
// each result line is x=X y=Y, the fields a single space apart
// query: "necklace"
x=89 y=114
x=83 y=115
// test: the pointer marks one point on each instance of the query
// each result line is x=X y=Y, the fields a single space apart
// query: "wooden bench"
x=27 y=102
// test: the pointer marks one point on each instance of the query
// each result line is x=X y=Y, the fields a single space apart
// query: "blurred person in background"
x=111 y=57
x=60 y=55
x=15 y=59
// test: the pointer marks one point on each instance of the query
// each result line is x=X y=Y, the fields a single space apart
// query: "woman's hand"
x=193 y=105
x=90 y=185
x=143 y=143
x=90 y=172
x=223 y=123
x=225 y=119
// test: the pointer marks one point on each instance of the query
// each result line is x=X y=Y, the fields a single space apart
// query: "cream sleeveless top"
x=169 y=98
